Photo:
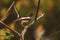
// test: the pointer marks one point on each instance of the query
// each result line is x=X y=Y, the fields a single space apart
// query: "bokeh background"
x=51 y=20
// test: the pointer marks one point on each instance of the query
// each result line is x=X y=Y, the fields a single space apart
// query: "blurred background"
x=51 y=20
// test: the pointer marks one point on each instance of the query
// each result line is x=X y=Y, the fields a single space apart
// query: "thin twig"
x=29 y=25
x=53 y=34
x=8 y=10
x=16 y=12
x=10 y=28
x=37 y=10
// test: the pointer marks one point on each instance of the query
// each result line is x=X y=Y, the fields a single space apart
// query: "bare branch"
x=10 y=28
x=21 y=18
x=53 y=34
x=16 y=12
x=8 y=10
x=37 y=10
x=26 y=27
x=18 y=19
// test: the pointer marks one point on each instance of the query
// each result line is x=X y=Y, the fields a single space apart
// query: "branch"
x=15 y=32
x=37 y=10
x=29 y=25
x=16 y=12
x=53 y=34
x=8 y=10
x=26 y=27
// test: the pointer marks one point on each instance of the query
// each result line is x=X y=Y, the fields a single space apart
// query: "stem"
x=37 y=10
x=8 y=10
x=53 y=34
x=29 y=25
x=16 y=12
x=15 y=32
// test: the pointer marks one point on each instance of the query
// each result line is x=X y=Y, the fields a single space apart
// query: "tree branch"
x=18 y=19
x=16 y=12
x=53 y=34
x=29 y=25
x=15 y=32
x=37 y=10
x=9 y=10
